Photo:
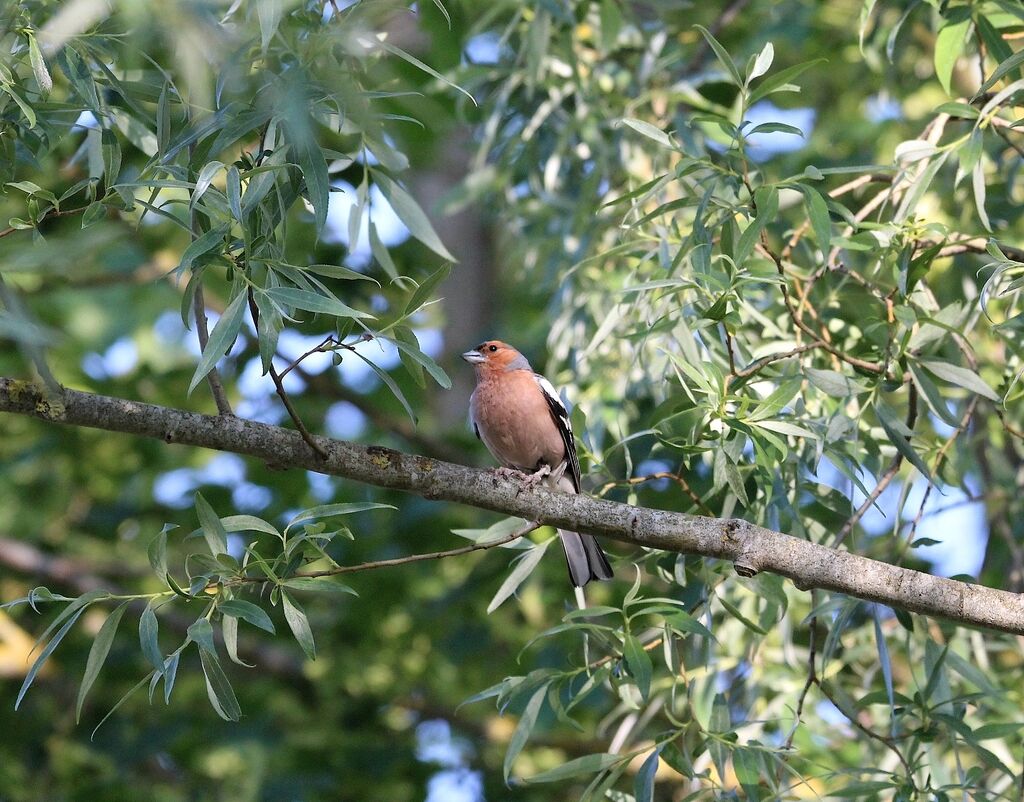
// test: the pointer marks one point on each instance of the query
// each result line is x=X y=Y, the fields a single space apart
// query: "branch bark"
x=752 y=548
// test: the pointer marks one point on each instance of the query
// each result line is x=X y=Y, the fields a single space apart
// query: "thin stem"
x=412 y=558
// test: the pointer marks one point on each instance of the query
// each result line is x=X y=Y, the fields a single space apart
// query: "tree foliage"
x=771 y=254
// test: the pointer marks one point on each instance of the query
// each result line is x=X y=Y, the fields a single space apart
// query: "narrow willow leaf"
x=722 y=54
x=1007 y=66
x=949 y=45
x=416 y=355
x=149 y=637
x=121 y=701
x=45 y=653
x=255 y=615
x=318 y=584
x=423 y=292
x=931 y=395
x=780 y=81
x=963 y=377
x=314 y=171
x=248 y=523
x=588 y=764
x=330 y=510
x=410 y=213
x=897 y=433
x=98 y=655
x=649 y=131
x=397 y=51
x=218 y=688
x=639 y=663
x=221 y=339
x=523 y=569
x=314 y=302
x=523 y=729
x=885 y=662
x=213 y=529
x=229 y=629
x=299 y=624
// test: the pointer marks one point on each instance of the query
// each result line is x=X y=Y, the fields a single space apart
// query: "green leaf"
x=229 y=631
x=42 y=74
x=834 y=383
x=248 y=523
x=148 y=637
x=218 y=688
x=523 y=569
x=780 y=81
x=649 y=131
x=643 y=783
x=817 y=211
x=247 y=611
x=330 y=510
x=722 y=54
x=426 y=288
x=639 y=663
x=98 y=655
x=775 y=128
x=314 y=171
x=1007 y=66
x=208 y=242
x=221 y=339
x=949 y=45
x=588 y=764
x=748 y=772
x=410 y=213
x=523 y=729
x=298 y=624
x=931 y=395
x=314 y=302
x=121 y=701
x=45 y=653
x=318 y=584
x=962 y=377
x=898 y=435
x=213 y=529
x=397 y=51
x=390 y=384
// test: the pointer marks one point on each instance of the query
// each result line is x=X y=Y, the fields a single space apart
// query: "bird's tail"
x=584 y=557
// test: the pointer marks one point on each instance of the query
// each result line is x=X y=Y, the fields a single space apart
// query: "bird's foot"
x=539 y=475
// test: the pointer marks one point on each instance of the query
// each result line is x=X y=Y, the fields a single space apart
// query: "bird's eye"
x=493 y=348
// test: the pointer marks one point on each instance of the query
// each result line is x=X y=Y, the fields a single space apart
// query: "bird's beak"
x=474 y=357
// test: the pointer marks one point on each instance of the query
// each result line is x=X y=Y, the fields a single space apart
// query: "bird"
x=524 y=424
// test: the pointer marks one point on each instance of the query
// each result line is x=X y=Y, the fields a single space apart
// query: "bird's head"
x=496 y=355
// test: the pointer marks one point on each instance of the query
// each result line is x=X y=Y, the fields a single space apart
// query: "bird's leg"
x=542 y=472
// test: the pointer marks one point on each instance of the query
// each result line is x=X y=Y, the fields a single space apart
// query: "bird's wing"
x=560 y=415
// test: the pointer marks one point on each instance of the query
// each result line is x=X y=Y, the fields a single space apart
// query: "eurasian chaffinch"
x=524 y=424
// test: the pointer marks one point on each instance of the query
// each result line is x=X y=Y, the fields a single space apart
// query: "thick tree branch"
x=752 y=548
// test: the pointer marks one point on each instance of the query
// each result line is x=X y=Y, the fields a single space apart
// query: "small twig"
x=220 y=397
x=328 y=345
x=886 y=477
x=764 y=361
x=729 y=350
x=279 y=386
x=863 y=364
x=888 y=742
x=965 y=421
x=412 y=558
x=51 y=213
x=812 y=677
x=676 y=477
